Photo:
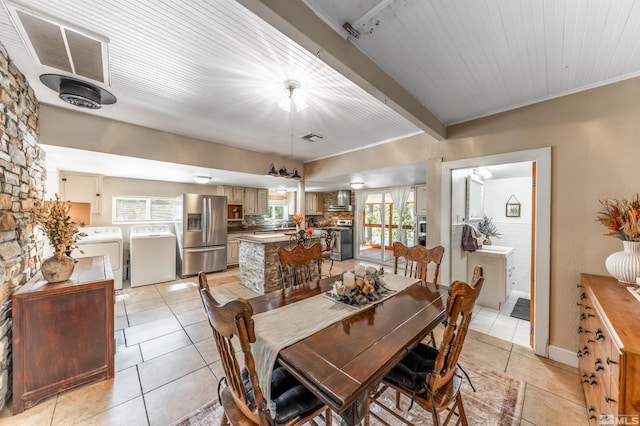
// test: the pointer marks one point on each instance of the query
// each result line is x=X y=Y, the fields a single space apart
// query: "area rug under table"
x=497 y=401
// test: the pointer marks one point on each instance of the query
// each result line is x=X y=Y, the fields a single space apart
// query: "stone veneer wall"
x=22 y=181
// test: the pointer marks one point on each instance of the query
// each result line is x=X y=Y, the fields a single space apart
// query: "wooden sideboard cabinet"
x=609 y=347
x=63 y=332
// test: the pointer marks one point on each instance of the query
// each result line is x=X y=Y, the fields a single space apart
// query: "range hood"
x=344 y=202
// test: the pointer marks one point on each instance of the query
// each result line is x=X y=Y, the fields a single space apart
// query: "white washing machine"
x=102 y=240
x=153 y=254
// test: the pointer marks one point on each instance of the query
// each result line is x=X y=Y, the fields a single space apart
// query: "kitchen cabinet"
x=263 y=201
x=498 y=267
x=233 y=251
x=83 y=188
x=63 y=332
x=608 y=349
x=314 y=203
x=250 y=201
x=234 y=194
x=420 y=200
x=256 y=201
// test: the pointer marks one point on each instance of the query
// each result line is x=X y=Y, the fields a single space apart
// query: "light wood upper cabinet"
x=234 y=194
x=314 y=203
x=420 y=198
x=84 y=188
x=250 y=201
x=263 y=202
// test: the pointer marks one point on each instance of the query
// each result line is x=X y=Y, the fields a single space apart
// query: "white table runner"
x=284 y=326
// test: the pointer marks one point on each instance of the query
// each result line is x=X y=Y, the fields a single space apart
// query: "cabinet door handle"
x=607 y=399
x=609 y=361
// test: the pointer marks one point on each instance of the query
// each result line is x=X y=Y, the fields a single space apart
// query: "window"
x=143 y=209
x=276 y=211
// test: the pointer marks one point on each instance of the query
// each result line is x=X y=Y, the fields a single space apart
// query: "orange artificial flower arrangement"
x=621 y=217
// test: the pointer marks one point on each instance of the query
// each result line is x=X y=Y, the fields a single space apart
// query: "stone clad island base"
x=258 y=260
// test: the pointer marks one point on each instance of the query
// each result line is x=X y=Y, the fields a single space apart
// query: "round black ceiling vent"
x=78 y=92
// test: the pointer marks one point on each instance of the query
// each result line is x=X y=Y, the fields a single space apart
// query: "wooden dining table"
x=342 y=363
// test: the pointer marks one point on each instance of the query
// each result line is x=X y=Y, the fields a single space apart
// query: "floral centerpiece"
x=359 y=290
x=622 y=218
x=54 y=220
x=297 y=219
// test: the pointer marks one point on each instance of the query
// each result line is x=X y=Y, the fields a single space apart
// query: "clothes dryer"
x=153 y=254
x=100 y=241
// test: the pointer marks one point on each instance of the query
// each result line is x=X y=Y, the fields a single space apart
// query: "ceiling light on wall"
x=281 y=191
x=77 y=92
x=293 y=97
x=357 y=185
x=202 y=178
x=484 y=172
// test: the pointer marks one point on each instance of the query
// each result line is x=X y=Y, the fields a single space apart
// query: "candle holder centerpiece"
x=360 y=287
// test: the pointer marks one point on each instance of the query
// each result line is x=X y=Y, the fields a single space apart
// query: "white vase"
x=625 y=265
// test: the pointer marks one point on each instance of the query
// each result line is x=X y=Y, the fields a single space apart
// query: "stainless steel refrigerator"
x=201 y=231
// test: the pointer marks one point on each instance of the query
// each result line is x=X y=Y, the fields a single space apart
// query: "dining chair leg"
x=331 y=266
x=224 y=421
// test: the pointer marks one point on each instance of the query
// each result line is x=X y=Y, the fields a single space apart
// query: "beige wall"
x=595 y=140
x=71 y=129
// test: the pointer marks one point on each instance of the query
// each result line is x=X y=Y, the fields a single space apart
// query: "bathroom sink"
x=496 y=249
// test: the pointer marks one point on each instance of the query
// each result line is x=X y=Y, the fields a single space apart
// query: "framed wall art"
x=513 y=207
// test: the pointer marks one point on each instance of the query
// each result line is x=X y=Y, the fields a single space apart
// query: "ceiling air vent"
x=312 y=137
x=59 y=46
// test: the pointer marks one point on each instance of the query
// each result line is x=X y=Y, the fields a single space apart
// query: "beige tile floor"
x=167 y=365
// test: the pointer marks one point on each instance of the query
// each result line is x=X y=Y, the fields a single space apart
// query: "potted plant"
x=487 y=228
x=54 y=220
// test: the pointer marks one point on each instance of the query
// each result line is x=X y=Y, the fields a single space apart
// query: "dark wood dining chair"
x=431 y=377
x=242 y=397
x=417 y=260
x=203 y=281
x=328 y=238
x=415 y=264
x=300 y=265
x=299 y=239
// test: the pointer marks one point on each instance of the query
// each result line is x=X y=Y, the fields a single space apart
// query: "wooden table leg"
x=354 y=414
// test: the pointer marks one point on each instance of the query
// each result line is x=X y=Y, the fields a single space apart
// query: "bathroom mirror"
x=474 y=200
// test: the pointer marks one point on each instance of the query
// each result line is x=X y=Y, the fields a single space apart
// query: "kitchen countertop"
x=270 y=238
x=260 y=229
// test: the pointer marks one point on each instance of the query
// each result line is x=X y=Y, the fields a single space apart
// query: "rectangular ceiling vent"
x=57 y=45
x=312 y=137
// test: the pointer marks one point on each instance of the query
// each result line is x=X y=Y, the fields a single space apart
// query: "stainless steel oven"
x=343 y=246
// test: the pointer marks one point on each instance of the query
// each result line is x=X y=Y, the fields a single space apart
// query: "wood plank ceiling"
x=207 y=68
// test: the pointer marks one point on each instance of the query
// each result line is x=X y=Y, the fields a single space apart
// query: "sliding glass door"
x=382 y=223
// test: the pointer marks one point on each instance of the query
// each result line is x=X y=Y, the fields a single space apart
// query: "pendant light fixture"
x=293 y=100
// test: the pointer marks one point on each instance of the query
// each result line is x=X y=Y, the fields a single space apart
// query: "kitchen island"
x=259 y=260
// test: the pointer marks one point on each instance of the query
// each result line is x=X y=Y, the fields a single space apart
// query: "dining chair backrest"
x=462 y=298
x=203 y=281
x=232 y=321
x=300 y=265
x=417 y=260
x=299 y=239
x=327 y=238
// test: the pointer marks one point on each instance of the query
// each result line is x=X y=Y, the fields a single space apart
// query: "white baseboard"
x=563 y=355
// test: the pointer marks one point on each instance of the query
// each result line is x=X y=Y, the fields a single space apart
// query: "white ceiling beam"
x=298 y=22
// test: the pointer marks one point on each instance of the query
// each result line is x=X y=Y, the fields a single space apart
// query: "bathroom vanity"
x=498 y=267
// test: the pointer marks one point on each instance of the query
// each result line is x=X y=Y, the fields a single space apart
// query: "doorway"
x=382 y=223
x=540 y=224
